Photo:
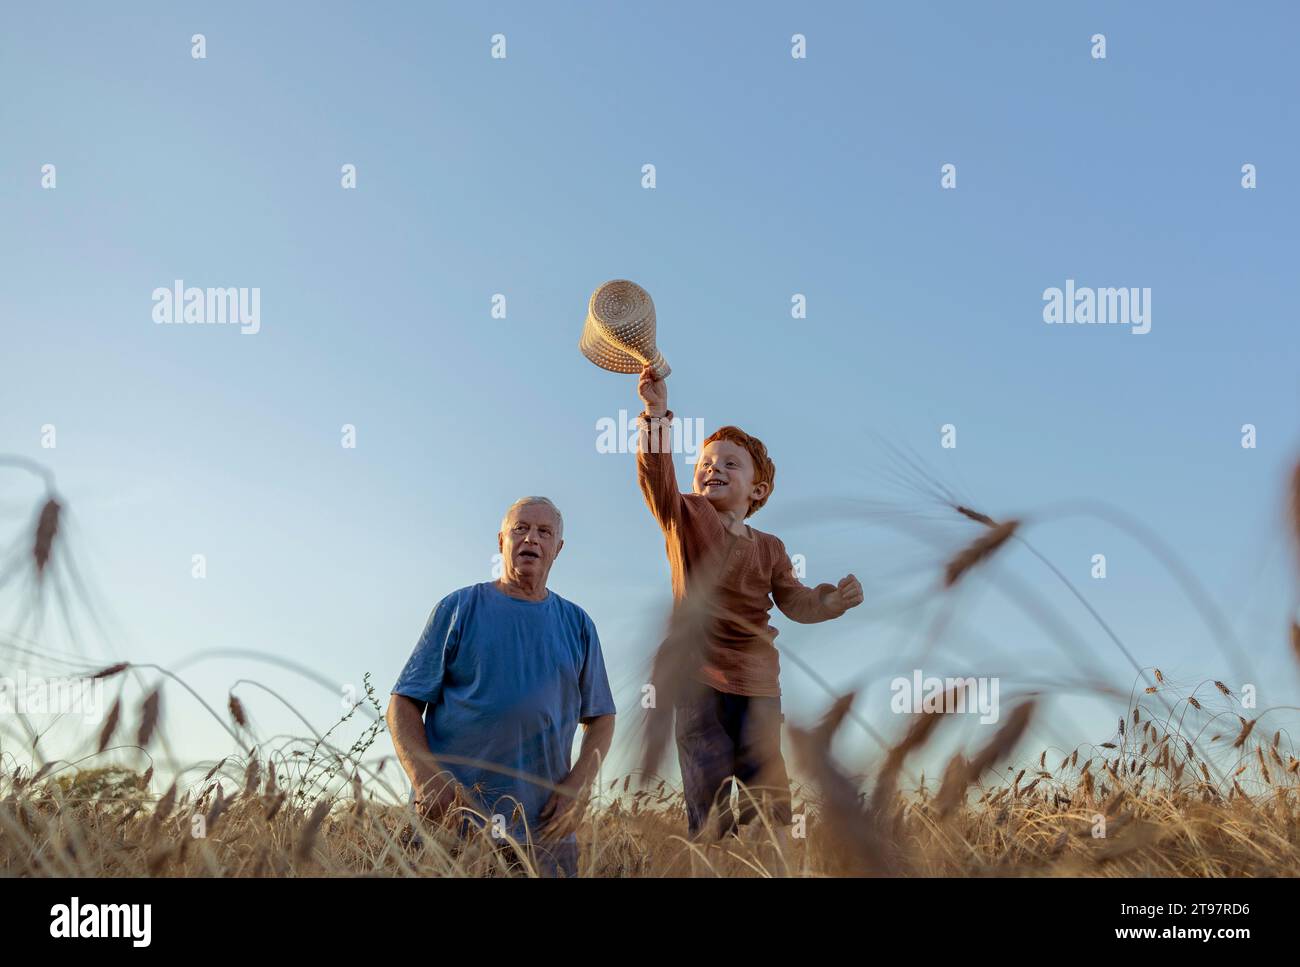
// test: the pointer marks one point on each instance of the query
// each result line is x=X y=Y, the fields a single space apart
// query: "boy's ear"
x=760 y=490
x=501 y=542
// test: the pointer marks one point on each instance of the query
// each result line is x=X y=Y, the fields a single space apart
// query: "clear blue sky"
x=775 y=176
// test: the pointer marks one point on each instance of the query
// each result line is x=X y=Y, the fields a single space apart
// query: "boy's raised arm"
x=654 y=454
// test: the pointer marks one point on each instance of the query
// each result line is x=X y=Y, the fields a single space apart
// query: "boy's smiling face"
x=725 y=475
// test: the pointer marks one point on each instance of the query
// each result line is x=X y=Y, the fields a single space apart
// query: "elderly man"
x=502 y=675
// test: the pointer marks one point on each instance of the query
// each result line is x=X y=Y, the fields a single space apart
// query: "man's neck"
x=520 y=589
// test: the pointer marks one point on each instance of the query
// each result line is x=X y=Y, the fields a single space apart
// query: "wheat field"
x=1188 y=786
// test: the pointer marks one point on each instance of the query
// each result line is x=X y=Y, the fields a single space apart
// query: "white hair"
x=525 y=501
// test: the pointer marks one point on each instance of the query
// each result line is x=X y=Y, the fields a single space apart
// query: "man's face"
x=529 y=541
x=725 y=475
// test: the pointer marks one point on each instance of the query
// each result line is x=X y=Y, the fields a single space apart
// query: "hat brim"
x=601 y=349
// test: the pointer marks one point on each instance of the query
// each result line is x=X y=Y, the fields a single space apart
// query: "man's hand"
x=847 y=594
x=563 y=811
x=653 y=392
x=436 y=796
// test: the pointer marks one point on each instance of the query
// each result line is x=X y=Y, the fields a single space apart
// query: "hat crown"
x=619 y=334
x=621 y=305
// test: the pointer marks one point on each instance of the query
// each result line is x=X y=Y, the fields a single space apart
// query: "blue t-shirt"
x=506 y=682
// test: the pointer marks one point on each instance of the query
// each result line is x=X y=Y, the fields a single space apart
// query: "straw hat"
x=619 y=334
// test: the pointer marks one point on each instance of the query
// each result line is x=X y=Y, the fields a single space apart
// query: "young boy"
x=729 y=724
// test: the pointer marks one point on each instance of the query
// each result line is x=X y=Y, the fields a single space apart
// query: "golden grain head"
x=110 y=725
x=358 y=795
x=165 y=804
x=148 y=718
x=276 y=803
x=218 y=807
x=1246 y=728
x=213 y=771
x=978 y=550
x=252 y=776
x=47 y=528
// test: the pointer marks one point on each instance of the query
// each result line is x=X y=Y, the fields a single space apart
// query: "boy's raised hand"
x=653 y=392
x=847 y=594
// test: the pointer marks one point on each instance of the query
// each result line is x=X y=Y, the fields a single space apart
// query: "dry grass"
x=106 y=822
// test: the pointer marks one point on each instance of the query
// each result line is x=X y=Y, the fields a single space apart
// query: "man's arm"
x=597 y=737
x=419 y=687
x=435 y=788
x=563 y=810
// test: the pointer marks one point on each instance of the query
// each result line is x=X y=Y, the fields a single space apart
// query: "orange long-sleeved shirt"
x=757 y=572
